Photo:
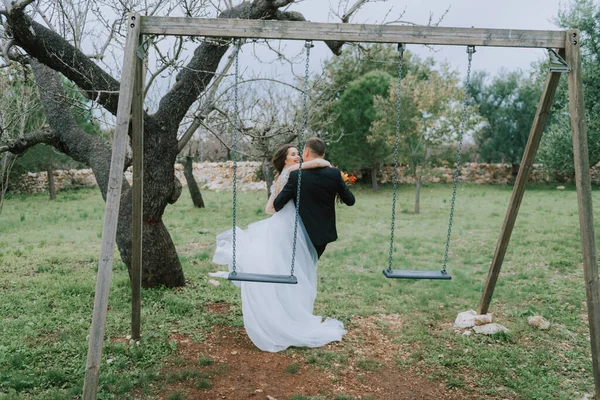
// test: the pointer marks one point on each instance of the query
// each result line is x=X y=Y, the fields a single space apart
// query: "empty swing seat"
x=415 y=274
x=265 y=278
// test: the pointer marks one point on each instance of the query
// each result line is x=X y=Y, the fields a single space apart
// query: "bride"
x=277 y=316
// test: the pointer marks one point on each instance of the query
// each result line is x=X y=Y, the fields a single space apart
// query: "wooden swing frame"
x=130 y=109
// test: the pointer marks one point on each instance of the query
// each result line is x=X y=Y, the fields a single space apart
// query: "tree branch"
x=241 y=127
x=100 y=54
x=6 y=49
x=12 y=5
x=71 y=139
x=281 y=3
x=352 y=10
x=22 y=144
x=166 y=63
x=190 y=132
x=44 y=17
x=207 y=107
x=51 y=49
x=209 y=129
x=22 y=4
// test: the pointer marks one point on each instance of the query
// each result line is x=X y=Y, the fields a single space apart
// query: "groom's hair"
x=316 y=146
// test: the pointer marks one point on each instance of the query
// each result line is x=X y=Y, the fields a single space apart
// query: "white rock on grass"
x=483 y=319
x=539 y=322
x=489 y=329
x=465 y=319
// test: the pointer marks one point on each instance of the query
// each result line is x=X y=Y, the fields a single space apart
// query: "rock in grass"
x=465 y=319
x=483 y=319
x=489 y=329
x=539 y=322
x=213 y=282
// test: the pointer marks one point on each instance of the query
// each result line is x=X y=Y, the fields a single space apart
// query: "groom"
x=318 y=190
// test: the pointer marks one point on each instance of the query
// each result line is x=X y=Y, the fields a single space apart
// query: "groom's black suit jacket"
x=317 y=201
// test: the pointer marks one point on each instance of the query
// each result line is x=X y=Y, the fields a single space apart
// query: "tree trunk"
x=417 y=193
x=51 y=188
x=514 y=169
x=188 y=171
x=268 y=175
x=161 y=265
x=374 y=178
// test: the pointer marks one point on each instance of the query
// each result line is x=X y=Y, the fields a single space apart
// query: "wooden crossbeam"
x=296 y=30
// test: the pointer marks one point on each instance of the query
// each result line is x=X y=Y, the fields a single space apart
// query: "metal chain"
x=461 y=130
x=396 y=153
x=308 y=44
x=235 y=140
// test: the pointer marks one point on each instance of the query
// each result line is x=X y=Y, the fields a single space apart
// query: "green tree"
x=430 y=114
x=509 y=104
x=355 y=113
x=556 y=151
x=328 y=88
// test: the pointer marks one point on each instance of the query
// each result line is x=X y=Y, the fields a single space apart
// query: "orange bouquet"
x=348 y=179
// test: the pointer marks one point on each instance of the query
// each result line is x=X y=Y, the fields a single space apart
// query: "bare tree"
x=187 y=156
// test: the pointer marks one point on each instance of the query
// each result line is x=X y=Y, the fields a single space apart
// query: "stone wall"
x=218 y=176
x=36 y=182
x=210 y=175
x=478 y=173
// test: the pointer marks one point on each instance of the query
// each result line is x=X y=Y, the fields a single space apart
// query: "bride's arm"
x=280 y=181
x=269 y=209
x=316 y=163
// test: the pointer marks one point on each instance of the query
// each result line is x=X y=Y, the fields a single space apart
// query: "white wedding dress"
x=277 y=316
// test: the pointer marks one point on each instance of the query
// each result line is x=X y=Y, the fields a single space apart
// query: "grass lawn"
x=49 y=255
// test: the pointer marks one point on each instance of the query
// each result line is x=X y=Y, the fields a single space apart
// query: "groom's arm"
x=287 y=193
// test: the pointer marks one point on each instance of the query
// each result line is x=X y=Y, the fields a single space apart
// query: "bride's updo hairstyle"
x=278 y=160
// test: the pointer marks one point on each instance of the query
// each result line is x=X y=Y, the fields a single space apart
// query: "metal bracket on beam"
x=557 y=63
x=143 y=48
x=401 y=48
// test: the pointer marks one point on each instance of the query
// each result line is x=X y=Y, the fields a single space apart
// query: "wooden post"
x=111 y=214
x=584 y=199
x=137 y=146
x=519 y=188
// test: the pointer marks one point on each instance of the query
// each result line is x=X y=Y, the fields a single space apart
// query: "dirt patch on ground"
x=367 y=364
x=217 y=308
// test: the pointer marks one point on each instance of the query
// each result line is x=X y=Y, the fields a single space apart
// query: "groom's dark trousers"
x=318 y=192
x=320 y=250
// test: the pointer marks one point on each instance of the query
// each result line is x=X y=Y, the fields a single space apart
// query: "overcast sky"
x=504 y=14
